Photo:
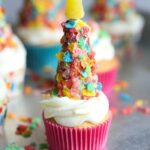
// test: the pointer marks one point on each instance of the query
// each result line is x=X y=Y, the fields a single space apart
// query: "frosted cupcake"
x=76 y=112
x=121 y=20
x=12 y=57
x=107 y=63
x=3 y=103
x=39 y=29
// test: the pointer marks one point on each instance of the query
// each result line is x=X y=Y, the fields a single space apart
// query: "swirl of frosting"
x=72 y=113
x=3 y=90
x=102 y=46
x=39 y=36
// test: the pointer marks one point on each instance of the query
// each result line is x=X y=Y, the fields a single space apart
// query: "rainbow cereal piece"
x=5 y=32
x=39 y=13
x=111 y=10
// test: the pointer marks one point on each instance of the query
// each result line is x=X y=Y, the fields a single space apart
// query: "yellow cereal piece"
x=80 y=24
x=58 y=77
x=139 y=103
x=72 y=46
x=2 y=40
x=66 y=92
x=59 y=56
x=74 y=9
x=88 y=93
x=117 y=88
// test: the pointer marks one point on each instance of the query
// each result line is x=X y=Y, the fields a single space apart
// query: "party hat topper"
x=38 y=13
x=74 y=9
x=5 y=31
x=76 y=77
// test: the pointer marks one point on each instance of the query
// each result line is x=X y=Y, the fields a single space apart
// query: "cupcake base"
x=65 y=138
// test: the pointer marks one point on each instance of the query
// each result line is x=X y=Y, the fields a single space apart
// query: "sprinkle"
x=124 y=84
x=66 y=92
x=43 y=146
x=72 y=46
x=117 y=88
x=99 y=86
x=84 y=74
x=81 y=57
x=13 y=146
x=127 y=110
x=27 y=133
x=90 y=87
x=80 y=24
x=144 y=110
x=81 y=43
x=125 y=97
x=67 y=57
x=27 y=90
x=11 y=115
x=25 y=119
x=114 y=111
x=88 y=93
x=139 y=103
x=70 y=24
x=58 y=77
x=54 y=92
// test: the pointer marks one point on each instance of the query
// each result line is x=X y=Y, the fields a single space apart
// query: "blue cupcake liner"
x=42 y=59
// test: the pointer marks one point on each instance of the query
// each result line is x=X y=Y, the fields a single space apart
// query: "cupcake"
x=106 y=61
x=76 y=112
x=39 y=29
x=122 y=21
x=3 y=102
x=12 y=57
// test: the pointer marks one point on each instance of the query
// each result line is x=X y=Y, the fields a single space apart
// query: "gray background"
x=13 y=7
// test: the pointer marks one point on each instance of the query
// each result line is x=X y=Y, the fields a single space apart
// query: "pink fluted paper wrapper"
x=64 y=138
x=108 y=79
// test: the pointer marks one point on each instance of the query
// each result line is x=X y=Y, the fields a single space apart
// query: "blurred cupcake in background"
x=39 y=29
x=12 y=57
x=121 y=20
x=3 y=103
x=107 y=63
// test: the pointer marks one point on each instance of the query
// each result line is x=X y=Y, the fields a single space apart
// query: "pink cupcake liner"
x=108 y=80
x=64 y=138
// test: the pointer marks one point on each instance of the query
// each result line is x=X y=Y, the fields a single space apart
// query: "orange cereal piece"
x=11 y=115
x=25 y=119
x=127 y=110
x=114 y=111
x=27 y=90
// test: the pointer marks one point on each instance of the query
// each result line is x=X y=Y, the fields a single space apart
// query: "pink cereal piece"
x=127 y=110
x=144 y=110
x=114 y=111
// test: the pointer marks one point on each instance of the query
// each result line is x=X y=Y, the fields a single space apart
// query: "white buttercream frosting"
x=72 y=113
x=102 y=46
x=3 y=90
x=39 y=36
x=133 y=25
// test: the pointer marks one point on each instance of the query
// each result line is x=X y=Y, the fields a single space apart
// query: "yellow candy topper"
x=74 y=9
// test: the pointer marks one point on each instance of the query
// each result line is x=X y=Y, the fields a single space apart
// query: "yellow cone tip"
x=74 y=9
